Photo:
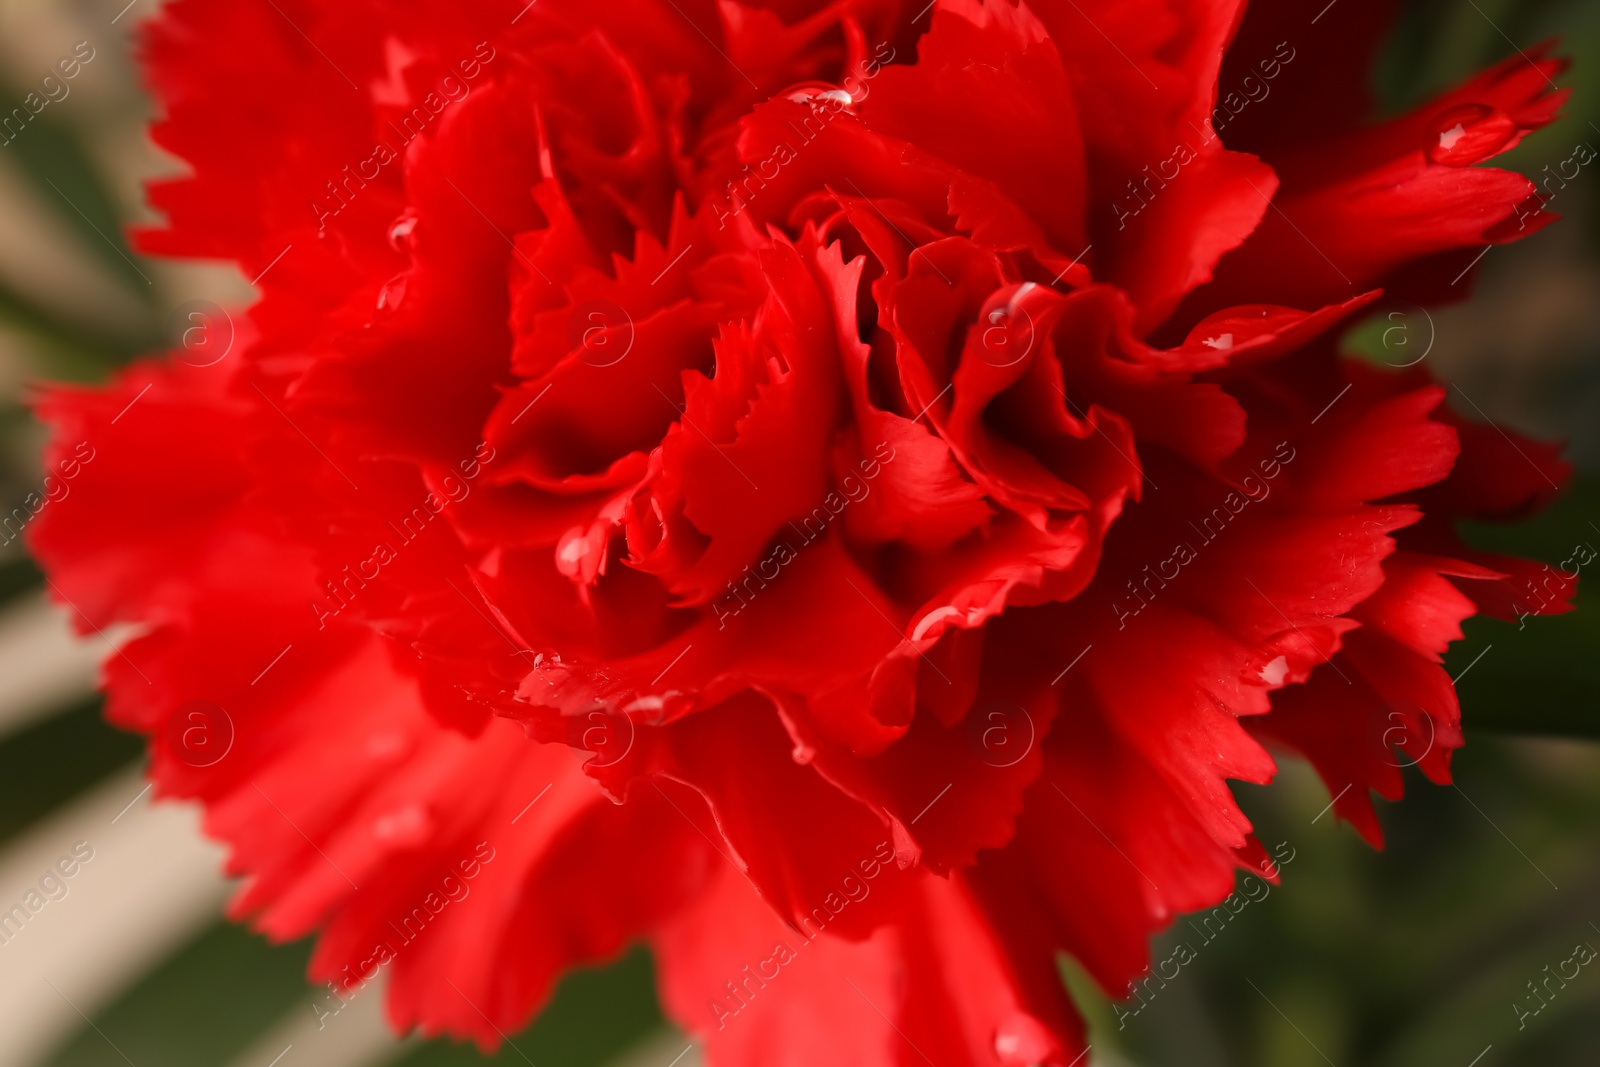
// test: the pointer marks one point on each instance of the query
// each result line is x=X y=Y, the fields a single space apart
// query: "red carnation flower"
x=833 y=491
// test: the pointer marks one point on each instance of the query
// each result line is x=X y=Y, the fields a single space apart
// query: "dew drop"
x=400 y=232
x=816 y=94
x=1469 y=134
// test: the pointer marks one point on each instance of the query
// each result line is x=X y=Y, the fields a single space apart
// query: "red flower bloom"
x=905 y=453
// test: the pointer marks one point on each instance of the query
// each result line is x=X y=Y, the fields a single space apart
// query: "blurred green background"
x=1428 y=953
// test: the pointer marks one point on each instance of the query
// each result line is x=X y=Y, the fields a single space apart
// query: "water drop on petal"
x=1275 y=672
x=1469 y=134
x=400 y=232
x=816 y=94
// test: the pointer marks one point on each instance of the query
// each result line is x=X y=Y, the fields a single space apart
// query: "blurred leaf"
x=18 y=576
x=53 y=760
x=52 y=156
x=595 y=1015
x=1438 y=43
x=1541 y=676
x=214 y=998
x=76 y=349
x=1411 y=955
x=206 y=1004
x=1544 y=679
